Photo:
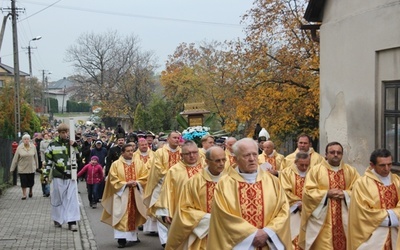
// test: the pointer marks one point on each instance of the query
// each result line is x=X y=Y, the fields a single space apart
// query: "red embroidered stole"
x=336 y=180
x=271 y=160
x=144 y=158
x=193 y=170
x=210 y=187
x=130 y=175
x=389 y=199
x=298 y=191
x=173 y=158
x=251 y=201
x=298 y=185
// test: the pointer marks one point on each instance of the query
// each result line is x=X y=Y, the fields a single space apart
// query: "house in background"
x=62 y=90
x=359 y=76
x=7 y=74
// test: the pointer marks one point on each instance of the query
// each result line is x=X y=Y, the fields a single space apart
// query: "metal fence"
x=5 y=160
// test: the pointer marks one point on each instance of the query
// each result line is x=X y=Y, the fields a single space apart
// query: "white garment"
x=150 y=225
x=129 y=236
x=64 y=201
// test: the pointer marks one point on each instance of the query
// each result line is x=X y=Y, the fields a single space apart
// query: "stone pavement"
x=26 y=224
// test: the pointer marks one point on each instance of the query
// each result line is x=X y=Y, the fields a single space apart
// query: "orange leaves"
x=271 y=77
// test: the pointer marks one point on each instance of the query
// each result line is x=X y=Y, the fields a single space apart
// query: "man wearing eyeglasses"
x=250 y=209
x=175 y=178
x=326 y=197
x=192 y=218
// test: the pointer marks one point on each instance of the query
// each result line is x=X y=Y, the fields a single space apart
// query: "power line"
x=47 y=6
x=125 y=14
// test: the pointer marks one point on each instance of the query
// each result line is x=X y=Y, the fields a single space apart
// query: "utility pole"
x=45 y=104
x=17 y=115
x=31 y=87
x=17 y=112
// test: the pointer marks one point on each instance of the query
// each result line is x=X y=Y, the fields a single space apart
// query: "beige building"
x=7 y=75
x=360 y=76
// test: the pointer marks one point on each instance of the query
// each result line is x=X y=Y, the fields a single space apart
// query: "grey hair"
x=209 y=151
x=302 y=155
x=188 y=143
x=26 y=136
x=237 y=144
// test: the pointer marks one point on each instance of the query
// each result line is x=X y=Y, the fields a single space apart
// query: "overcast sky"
x=160 y=25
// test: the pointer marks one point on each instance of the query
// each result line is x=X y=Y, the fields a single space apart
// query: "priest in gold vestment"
x=250 y=210
x=292 y=180
x=164 y=159
x=207 y=142
x=326 y=197
x=375 y=208
x=146 y=155
x=271 y=157
x=230 y=156
x=176 y=177
x=119 y=207
x=190 y=224
x=304 y=145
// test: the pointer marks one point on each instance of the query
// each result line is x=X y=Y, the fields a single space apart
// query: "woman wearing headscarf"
x=26 y=158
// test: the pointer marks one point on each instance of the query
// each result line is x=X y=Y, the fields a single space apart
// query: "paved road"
x=103 y=234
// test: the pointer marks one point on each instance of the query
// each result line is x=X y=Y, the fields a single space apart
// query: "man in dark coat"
x=115 y=152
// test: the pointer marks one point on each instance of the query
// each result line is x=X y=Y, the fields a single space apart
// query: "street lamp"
x=30 y=68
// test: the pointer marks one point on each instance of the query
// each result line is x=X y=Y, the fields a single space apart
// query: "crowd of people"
x=240 y=194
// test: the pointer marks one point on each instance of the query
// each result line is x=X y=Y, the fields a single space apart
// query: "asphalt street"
x=103 y=234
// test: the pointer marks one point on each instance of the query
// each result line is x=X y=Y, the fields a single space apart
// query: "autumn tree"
x=29 y=122
x=269 y=77
x=113 y=71
x=284 y=92
x=196 y=73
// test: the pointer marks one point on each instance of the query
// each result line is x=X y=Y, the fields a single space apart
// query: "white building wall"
x=357 y=40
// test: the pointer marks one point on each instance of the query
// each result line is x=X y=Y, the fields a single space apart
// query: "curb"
x=85 y=235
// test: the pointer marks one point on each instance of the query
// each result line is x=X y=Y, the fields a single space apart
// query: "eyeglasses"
x=191 y=153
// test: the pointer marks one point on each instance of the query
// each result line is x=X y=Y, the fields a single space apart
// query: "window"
x=392 y=120
x=1 y=84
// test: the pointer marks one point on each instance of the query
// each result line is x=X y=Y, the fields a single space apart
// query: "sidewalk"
x=26 y=224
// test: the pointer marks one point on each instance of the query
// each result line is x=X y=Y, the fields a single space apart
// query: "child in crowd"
x=94 y=176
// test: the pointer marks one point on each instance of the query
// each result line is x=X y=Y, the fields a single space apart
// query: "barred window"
x=392 y=119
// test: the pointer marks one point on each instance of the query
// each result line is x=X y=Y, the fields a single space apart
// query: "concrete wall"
x=359 y=42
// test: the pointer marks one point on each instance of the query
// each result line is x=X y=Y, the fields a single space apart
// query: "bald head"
x=268 y=147
x=229 y=143
x=215 y=158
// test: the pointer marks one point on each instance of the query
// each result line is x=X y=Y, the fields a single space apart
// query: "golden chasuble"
x=272 y=161
x=251 y=203
x=130 y=175
x=367 y=211
x=325 y=231
x=194 y=170
x=388 y=197
x=144 y=158
x=173 y=158
x=121 y=212
x=232 y=161
x=228 y=227
x=336 y=180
